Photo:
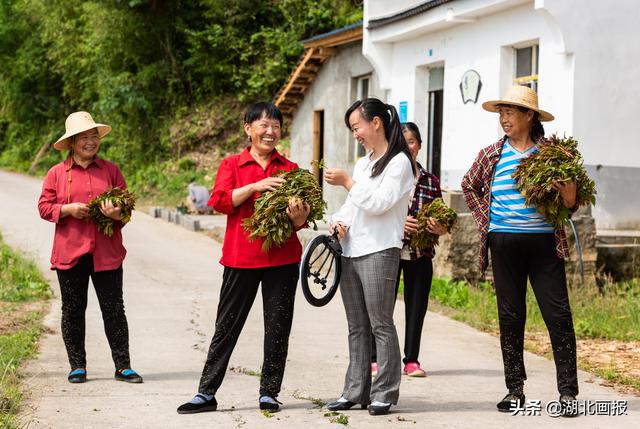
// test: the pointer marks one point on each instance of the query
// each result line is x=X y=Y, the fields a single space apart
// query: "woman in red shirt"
x=240 y=180
x=81 y=251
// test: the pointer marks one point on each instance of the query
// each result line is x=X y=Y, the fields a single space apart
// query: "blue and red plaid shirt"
x=476 y=186
x=427 y=189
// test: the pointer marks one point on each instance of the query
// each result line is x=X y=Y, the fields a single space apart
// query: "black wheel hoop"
x=325 y=286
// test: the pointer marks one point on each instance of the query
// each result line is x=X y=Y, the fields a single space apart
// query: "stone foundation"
x=618 y=255
x=457 y=255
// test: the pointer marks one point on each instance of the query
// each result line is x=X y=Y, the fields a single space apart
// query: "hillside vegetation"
x=171 y=77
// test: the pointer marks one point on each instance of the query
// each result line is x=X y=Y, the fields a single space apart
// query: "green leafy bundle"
x=119 y=197
x=557 y=160
x=437 y=209
x=270 y=222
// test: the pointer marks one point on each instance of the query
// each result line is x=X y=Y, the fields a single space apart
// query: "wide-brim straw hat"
x=519 y=95
x=76 y=123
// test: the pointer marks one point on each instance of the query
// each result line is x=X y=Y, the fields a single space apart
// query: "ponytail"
x=369 y=109
x=537 y=131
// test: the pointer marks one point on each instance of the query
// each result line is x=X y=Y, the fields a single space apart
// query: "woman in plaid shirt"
x=523 y=246
x=415 y=264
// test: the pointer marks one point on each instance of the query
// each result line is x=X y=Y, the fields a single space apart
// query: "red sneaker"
x=374 y=369
x=412 y=369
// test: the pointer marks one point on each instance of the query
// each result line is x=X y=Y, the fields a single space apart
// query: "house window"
x=362 y=92
x=526 y=70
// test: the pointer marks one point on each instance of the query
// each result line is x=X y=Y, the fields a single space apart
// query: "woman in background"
x=80 y=251
x=416 y=264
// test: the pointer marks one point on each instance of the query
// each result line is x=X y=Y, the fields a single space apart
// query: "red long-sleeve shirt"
x=74 y=237
x=235 y=172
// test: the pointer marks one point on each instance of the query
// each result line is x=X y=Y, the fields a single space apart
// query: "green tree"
x=156 y=70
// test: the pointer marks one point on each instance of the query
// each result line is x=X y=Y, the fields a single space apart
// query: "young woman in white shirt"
x=370 y=226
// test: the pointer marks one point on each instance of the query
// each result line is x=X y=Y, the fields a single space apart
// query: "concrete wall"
x=617 y=202
x=588 y=72
x=333 y=91
x=602 y=36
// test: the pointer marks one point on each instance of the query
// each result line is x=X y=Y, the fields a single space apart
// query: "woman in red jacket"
x=240 y=180
x=81 y=251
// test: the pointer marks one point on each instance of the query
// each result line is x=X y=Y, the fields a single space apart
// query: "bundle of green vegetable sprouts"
x=120 y=198
x=557 y=161
x=270 y=221
x=437 y=209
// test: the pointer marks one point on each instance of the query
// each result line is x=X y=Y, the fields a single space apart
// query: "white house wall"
x=603 y=37
x=332 y=92
x=467 y=128
x=588 y=72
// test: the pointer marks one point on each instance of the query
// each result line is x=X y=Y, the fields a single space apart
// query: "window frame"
x=531 y=80
x=357 y=149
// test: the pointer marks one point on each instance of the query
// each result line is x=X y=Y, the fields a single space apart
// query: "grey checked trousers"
x=368 y=293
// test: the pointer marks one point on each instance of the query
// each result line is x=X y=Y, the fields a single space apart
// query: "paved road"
x=172 y=281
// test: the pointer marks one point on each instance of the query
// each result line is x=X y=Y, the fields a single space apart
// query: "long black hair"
x=413 y=129
x=369 y=109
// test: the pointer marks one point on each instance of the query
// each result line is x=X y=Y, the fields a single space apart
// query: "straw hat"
x=76 y=123
x=519 y=95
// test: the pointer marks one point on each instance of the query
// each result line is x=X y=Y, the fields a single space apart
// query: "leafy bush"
x=20 y=279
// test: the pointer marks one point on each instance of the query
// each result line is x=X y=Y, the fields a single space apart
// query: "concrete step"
x=618 y=236
x=620 y=261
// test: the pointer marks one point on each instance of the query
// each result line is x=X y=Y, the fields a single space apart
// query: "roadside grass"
x=608 y=315
x=23 y=293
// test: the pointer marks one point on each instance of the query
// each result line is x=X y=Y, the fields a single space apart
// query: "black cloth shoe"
x=569 y=406
x=128 y=375
x=78 y=375
x=343 y=406
x=191 y=408
x=269 y=405
x=379 y=410
x=504 y=406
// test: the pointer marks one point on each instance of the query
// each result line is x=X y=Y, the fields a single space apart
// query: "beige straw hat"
x=76 y=123
x=519 y=95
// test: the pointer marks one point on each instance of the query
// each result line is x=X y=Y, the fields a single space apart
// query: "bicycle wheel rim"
x=320 y=271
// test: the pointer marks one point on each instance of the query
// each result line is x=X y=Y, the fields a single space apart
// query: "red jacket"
x=237 y=252
x=74 y=237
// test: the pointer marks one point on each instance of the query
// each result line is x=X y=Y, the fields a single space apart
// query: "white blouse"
x=376 y=208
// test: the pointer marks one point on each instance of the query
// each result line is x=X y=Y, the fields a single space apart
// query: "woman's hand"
x=338 y=177
x=435 y=227
x=109 y=210
x=340 y=227
x=298 y=211
x=410 y=225
x=268 y=184
x=568 y=192
x=76 y=210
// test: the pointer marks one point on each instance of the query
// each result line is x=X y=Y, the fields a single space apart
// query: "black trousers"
x=516 y=257
x=417 y=286
x=239 y=289
x=74 y=284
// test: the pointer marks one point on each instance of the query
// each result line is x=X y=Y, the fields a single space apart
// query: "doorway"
x=318 y=143
x=434 y=123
